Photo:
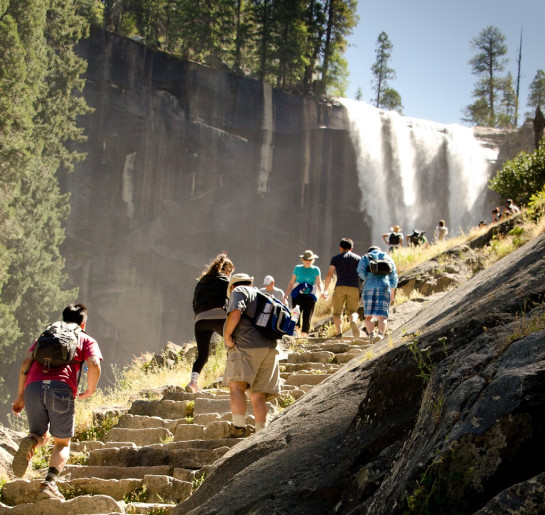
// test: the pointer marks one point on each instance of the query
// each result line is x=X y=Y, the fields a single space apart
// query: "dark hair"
x=221 y=264
x=346 y=244
x=374 y=247
x=244 y=282
x=441 y=223
x=76 y=313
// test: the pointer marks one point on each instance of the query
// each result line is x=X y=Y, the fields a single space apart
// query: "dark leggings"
x=306 y=303
x=204 y=329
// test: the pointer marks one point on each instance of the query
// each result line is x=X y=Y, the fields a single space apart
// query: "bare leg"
x=337 y=322
x=60 y=454
x=260 y=407
x=237 y=390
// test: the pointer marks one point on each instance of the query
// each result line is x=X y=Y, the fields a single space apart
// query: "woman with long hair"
x=209 y=302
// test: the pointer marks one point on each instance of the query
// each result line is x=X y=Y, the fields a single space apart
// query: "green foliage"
x=385 y=97
x=138 y=495
x=96 y=432
x=297 y=45
x=536 y=205
x=423 y=358
x=39 y=78
x=197 y=482
x=536 y=95
x=521 y=177
x=487 y=63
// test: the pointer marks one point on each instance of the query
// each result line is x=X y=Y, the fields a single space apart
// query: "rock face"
x=449 y=416
x=183 y=162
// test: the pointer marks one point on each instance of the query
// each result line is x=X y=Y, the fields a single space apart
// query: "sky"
x=431 y=49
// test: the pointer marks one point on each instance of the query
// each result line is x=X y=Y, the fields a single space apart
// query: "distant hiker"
x=482 y=224
x=393 y=239
x=47 y=394
x=378 y=291
x=209 y=301
x=441 y=231
x=271 y=289
x=510 y=207
x=252 y=359
x=347 y=288
x=418 y=238
x=305 y=282
x=496 y=215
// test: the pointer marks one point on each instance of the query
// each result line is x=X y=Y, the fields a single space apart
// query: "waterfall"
x=415 y=172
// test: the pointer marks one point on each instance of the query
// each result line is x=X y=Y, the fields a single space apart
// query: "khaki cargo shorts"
x=259 y=367
x=342 y=294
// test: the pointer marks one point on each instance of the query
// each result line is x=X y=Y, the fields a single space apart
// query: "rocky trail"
x=159 y=452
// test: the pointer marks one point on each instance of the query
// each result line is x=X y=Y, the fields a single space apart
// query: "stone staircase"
x=161 y=450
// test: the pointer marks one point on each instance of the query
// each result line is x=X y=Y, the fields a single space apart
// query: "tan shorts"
x=342 y=294
x=259 y=367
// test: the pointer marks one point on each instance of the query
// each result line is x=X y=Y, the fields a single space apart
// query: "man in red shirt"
x=48 y=396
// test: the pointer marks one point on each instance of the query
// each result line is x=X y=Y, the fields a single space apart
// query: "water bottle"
x=295 y=313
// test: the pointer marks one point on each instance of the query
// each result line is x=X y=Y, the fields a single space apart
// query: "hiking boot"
x=49 y=489
x=372 y=337
x=23 y=455
x=355 y=329
x=237 y=432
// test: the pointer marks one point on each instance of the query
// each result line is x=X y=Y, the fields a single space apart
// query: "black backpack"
x=379 y=266
x=272 y=318
x=57 y=345
x=394 y=238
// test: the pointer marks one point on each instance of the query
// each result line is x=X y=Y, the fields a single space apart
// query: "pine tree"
x=38 y=77
x=385 y=97
x=487 y=64
x=536 y=95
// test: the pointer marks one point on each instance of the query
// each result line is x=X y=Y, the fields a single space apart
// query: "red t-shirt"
x=87 y=347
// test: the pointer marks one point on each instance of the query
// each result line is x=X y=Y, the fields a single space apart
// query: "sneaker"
x=372 y=337
x=49 y=489
x=191 y=388
x=23 y=455
x=237 y=432
x=355 y=329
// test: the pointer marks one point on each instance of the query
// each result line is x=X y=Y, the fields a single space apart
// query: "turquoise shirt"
x=306 y=275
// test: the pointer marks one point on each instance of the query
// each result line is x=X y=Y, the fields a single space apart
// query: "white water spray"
x=414 y=172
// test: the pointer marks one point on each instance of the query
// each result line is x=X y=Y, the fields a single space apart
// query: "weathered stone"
x=163 y=409
x=189 y=432
x=306 y=379
x=220 y=406
x=112 y=472
x=85 y=504
x=196 y=458
x=205 y=418
x=115 y=488
x=149 y=508
x=141 y=422
x=166 y=489
x=317 y=357
x=140 y=437
x=183 y=474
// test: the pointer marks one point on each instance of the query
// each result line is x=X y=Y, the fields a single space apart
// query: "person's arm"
x=233 y=318
x=289 y=287
x=328 y=277
x=318 y=283
x=401 y=240
x=93 y=375
x=19 y=402
x=385 y=238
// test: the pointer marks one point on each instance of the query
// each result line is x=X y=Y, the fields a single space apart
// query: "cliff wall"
x=183 y=162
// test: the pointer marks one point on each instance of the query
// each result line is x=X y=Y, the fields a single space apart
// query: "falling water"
x=414 y=172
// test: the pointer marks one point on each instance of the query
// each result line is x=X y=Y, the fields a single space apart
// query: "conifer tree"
x=385 y=97
x=39 y=74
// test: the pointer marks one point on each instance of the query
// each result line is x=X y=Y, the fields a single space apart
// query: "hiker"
x=510 y=208
x=441 y=231
x=418 y=238
x=252 y=359
x=304 y=283
x=347 y=288
x=378 y=292
x=48 y=394
x=209 y=301
x=496 y=214
x=270 y=289
x=393 y=239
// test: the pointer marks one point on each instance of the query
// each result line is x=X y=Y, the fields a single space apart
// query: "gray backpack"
x=57 y=345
